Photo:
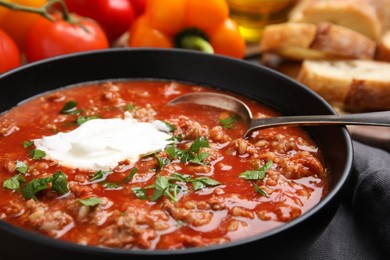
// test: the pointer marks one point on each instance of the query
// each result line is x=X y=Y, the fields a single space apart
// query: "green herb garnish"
x=34 y=186
x=229 y=122
x=131 y=175
x=27 y=144
x=98 y=175
x=82 y=119
x=21 y=167
x=13 y=183
x=259 y=190
x=59 y=183
x=69 y=107
x=256 y=174
x=37 y=154
x=90 y=202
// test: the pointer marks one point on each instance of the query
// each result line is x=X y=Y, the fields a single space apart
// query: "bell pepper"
x=202 y=25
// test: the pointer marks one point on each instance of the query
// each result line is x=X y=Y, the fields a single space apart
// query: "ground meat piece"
x=51 y=222
x=302 y=164
x=188 y=128
x=235 y=224
x=217 y=202
x=10 y=166
x=193 y=217
x=241 y=212
x=243 y=146
x=218 y=134
x=6 y=130
x=198 y=241
x=13 y=209
x=144 y=114
x=79 y=190
x=127 y=229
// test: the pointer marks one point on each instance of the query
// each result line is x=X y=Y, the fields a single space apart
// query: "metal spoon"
x=237 y=106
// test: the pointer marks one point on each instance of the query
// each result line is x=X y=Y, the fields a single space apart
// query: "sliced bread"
x=300 y=41
x=369 y=17
x=383 y=49
x=354 y=85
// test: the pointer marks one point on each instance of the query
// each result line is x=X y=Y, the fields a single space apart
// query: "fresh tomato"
x=115 y=16
x=51 y=38
x=139 y=6
x=16 y=23
x=9 y=53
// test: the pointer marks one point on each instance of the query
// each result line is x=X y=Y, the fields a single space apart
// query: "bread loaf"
x=369 y=17
x=354 y=85
x=300 y=41
x=383 y=50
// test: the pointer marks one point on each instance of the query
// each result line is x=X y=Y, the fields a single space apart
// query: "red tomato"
x=115 y=16
x=17 y=23
x=139 y=6
x=9 y=53
x=47 y=39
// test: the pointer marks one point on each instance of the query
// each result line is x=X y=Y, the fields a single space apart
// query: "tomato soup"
x=110 y=164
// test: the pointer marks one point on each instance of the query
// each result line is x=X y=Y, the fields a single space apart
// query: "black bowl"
x=267 y=86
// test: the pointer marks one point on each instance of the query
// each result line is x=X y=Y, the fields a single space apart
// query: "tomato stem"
x=44 y=11
x=17 y=7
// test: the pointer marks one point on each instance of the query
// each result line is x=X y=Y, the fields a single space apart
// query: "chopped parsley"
x=27 y=143
x=69 y=107
x=172 y=185
x=59 y=183
x=21 y=167
x=13 y=183
x=90 y=202
x=37 y=154
x=259 y=190
x=35 y=186
x=229 y=122
x=82 y=119
x=191 y=155
x=256 y=174
x=98 y=175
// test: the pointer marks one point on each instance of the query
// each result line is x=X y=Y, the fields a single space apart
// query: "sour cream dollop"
x=100 y=144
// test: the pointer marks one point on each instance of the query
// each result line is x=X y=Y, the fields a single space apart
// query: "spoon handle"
x=372 y=118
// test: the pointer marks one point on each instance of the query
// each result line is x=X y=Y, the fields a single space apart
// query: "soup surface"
x=110 y=164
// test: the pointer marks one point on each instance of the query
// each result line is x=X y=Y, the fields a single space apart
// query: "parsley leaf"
x=228 y=122
x=111 y=185
x=21 y=167
x=160 y=186
x=259 y=190
x=98 y=175
x=129 y=107
x=140 y=193
x=27 y=143
x=82 y=119
x=202 y=182
x=90 y=202
x=13 y=183
x=69 y=107
x=59 y=182
x=256 y=174
x=192 y=154
x=34 y=186
x=37 y=154
x=131 y=175
x=162 y=161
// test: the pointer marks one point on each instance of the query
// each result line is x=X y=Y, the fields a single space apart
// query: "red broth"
x=222 y=189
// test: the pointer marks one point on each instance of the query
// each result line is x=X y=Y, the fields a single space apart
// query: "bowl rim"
x=74 y=247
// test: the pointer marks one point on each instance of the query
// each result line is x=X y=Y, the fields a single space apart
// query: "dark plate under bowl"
x=267 y=86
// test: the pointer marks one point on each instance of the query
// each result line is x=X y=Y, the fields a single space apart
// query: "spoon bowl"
x=235 y=105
